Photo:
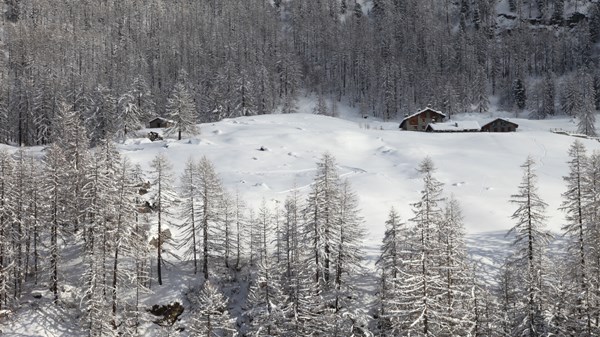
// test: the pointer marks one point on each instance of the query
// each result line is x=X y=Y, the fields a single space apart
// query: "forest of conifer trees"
x=98 y=234
x=289 y=269
x=118 y=63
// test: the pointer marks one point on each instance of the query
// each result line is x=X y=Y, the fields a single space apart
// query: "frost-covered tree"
x=7 y=252
x=349 y=251
x=586 y=108
x=393 y=250
x=321 y=211
x=530 y=244
x=54 y=195
x=420 y=289
x=190 y=213
x=210 y=197
x=519 y=93
x=210 y=317
x=129 y=114
x=460 y=307
x=161 y=173
x=181 y=109
x=575 y=205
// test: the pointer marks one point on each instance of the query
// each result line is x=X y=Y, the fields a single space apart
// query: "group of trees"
x=283 y=269
x=561 y=298
x=429 y=286
x=119 y=62
x=86 y=217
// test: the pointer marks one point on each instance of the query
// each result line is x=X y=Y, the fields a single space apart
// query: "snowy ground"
x=480 y=169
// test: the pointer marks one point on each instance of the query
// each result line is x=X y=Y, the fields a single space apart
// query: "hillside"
x=480 y=169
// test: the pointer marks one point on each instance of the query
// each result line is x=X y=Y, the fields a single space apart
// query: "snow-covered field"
x=480 y=169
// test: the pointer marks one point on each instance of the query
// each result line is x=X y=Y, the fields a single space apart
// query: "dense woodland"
x=77 y=75
x=96 y=236
x=117 y=63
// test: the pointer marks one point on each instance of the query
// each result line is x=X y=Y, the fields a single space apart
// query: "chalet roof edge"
x=420 y=112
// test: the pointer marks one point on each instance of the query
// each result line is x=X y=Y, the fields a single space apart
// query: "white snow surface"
x=481 y=170
x=458 y=126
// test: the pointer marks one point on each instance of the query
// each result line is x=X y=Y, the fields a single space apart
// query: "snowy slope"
x=480 y=169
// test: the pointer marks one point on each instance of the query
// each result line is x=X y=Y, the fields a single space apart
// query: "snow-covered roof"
x=501 y=119
x=455 y=126
x=421 y=111
x=162 y=119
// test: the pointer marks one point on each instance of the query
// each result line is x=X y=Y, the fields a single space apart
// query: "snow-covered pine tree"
x=101 y=117
x=98 y=298
x=55 y=199
x=321 y=106
x=321 y=211
x=519 y=93
x=577 y=226
x=481 y=97
x=456 y=273
x=142 y=98
x=421 y=289
x=34 y=220
x=349 y=250
x=7 y=253
x=190 y=213
x=162 y=176
x=71 y=136
x=571 y=97
x=128 y=114
x=210 y=197
x=548 y=96
x=592 y=196
x=240 y=229
x=394 y=247
x=182 y=109
x=263 y=230
x=530 y=244
x=266 y=298
x=19 y=231
x=586 y=113
x=228 y=219
x=507 y=293
x=124 y=247
x=210 y=316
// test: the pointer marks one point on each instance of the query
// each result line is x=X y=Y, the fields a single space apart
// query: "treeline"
x=117 y=63
x=87 y=219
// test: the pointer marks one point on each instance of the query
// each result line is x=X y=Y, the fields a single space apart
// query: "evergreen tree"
x=530 y=244
x=586 y=112
x=210 y=222
x=210 y=316
x=161 y=171
x=578 y=223
x=182 y=110
x=190 y=213
x=421 y=286
x=520 y=94
x=321 y=224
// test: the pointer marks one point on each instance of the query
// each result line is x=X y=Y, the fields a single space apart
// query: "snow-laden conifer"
x=210 y=317
x=181 y=109
x=530 y=243
x=162 y=176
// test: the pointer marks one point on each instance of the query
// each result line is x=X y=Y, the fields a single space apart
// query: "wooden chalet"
x=500 y=125
x=460 y=126
x=160 y=122
x=420 y=120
